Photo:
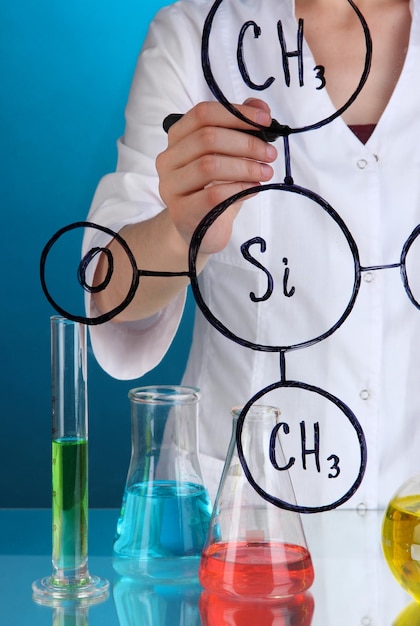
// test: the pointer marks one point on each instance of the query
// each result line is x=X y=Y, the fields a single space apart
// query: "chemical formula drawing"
x=281 y=290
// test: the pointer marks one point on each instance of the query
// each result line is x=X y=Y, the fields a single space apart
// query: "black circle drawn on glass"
x=282 y=129
x=406 y=248
x=289 y=506
x=211 y=217
x=81 y=273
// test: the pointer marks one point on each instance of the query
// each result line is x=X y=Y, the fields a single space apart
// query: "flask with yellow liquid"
x=401 y=536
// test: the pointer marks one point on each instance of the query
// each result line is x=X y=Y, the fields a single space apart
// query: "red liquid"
x=218 y=610
x=263 y=570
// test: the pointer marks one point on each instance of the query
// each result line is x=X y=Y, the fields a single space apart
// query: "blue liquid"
x=156 y=604
x=162 y=521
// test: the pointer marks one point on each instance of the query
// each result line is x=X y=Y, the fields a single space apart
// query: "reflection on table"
x=352 y=582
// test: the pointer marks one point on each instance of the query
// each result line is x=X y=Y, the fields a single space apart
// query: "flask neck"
x=255 y=456
x=256 y=425
x=158 y=422
x=164 y=435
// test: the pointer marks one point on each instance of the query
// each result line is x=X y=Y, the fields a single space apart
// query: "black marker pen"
x=269 y=134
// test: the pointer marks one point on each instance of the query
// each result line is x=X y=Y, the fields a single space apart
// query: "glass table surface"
x=352 y=582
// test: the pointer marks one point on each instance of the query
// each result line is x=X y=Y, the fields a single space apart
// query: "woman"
x=330 y=278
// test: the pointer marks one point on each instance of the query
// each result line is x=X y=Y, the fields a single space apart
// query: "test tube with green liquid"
x=70 y=578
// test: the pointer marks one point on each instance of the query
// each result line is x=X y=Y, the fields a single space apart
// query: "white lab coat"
x=371 y=362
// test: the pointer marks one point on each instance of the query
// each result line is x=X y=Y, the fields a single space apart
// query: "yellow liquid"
x=410 y=616
x=401 y=542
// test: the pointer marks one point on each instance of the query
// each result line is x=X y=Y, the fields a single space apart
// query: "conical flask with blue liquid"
x=166 y=509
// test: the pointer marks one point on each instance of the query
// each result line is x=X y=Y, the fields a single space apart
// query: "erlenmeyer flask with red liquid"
x=255 y=548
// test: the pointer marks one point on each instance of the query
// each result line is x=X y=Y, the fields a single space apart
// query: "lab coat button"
x=368 y=277
x=364 y=394
x=361 y=509
x=361 y=164
x=366 y=621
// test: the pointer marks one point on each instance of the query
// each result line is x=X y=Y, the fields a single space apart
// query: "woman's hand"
x=207 y=161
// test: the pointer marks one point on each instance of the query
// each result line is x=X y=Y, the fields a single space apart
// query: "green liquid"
x=70 y=504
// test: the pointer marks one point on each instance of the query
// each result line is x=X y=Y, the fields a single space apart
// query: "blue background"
x=65 y=71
